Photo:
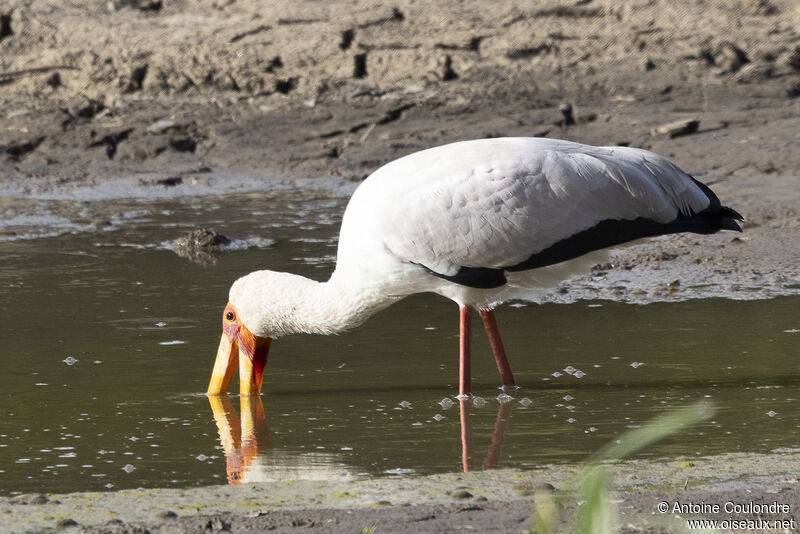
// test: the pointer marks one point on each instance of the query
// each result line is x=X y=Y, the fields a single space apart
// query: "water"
x=108 y=339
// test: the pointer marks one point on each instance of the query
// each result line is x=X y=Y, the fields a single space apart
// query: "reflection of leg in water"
x=498 y=435
x=466 y=434
x=240 y=437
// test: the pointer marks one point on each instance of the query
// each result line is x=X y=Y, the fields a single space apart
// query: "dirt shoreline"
x=486 y=501
x=171 y=93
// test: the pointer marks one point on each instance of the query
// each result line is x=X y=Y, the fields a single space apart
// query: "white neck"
x=336 y=305
x=274 y=304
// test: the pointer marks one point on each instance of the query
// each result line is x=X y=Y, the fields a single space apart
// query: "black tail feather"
x=728 y=218
x=730 y=212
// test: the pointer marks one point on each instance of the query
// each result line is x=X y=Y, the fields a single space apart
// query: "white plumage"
x=495 y=202
x=467 y=220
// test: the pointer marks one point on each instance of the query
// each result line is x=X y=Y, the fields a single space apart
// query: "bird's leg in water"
x=490 y=322
x=465 y=351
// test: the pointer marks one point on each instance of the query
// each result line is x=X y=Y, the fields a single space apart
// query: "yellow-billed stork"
x=479 y=222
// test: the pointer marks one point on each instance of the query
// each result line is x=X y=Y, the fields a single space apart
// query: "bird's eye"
x=229 y=316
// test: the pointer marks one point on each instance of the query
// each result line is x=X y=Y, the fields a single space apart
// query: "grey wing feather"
x=499 y=215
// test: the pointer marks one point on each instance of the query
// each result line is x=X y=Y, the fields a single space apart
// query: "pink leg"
x=490 y=322
x=464 y=351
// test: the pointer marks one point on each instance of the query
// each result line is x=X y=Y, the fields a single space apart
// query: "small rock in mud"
x=755 y=72
x=66 y=522
x=30 y=498
x=16 y=151
x=160 y=126
x=529 y=488
x=217 y=524
x=183 y=144
x=730 y=58
x=170 y=181
x=206 y=238
x=201 y=245
x=567 y=113
x=167 y=514
x=81 y=110
x=142 y=5
x=101 y=224
x=676 y=129
x=673 y=286
x=462 y=494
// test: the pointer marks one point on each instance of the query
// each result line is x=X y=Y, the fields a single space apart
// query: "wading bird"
x=479 y=222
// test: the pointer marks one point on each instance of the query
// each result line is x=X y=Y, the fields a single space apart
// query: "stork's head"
x=261 y=307
x=240 y=348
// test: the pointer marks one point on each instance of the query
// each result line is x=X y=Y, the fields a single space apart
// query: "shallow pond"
x=108 y=338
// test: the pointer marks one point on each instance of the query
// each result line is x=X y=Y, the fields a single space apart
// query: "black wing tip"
x=729 y=224
x=725 y=211
x=728 y=218
x=714 y=203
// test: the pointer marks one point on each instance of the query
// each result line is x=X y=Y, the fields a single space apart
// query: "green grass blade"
x=653 y=431
x=546 y=515
x=597 y=513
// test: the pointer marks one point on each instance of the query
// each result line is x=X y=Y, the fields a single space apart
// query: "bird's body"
x=480 y=222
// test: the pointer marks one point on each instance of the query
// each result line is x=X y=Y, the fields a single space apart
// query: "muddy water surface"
x=108 y=338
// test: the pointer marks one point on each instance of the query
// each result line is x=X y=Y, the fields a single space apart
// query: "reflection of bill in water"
x=250 y=456
x=249 y=453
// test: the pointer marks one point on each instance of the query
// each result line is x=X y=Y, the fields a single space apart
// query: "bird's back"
x=470 y=211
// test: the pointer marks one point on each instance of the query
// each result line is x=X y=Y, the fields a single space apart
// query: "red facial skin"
x=255 y=347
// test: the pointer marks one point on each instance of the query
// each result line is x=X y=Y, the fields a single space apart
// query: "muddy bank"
x=147 y=99
x=150 y=97
x=488 y=501
x=108 y=88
